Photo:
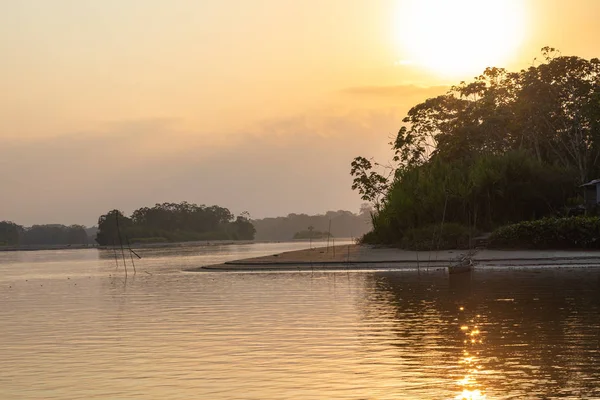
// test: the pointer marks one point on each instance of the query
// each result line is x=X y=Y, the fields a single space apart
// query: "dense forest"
x=173 y=222
x=344 y=224
x=12 y=234
x=504 y=148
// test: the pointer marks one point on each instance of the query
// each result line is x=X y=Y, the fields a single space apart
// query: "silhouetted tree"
x=54 y=234
x=505 y=147
x=9 y=233
x=175 y=222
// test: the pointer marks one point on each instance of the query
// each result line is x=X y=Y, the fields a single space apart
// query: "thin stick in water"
x=437 y=249
x=328 y=235
x=121 y=242
x=131 y=254
x=418 y=266
x=116 y=257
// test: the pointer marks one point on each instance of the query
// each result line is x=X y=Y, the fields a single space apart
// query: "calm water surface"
x=71 y=327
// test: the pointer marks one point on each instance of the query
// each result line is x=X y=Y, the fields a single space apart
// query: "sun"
x=459 y=37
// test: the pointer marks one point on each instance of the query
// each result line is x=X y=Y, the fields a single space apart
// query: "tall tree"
x=9 y=233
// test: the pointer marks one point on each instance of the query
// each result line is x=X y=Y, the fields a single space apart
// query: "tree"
x=54 y=234
x=370 y=184
x=175 y=222
x=244 y=230
x=551 y=111
x=504 y=147
x=9 y=233
x=559 y=104
x=108 y=234
x=365 y=209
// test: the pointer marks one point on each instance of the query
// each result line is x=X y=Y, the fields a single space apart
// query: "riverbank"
x=363 y=257
x=41 y=247
x=38 y=247
x=197 y=243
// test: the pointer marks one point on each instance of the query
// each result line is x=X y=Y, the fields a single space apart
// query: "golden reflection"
x=470 y=388
x=471 y=395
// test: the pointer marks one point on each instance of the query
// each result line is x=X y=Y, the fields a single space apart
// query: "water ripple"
x=73 y=327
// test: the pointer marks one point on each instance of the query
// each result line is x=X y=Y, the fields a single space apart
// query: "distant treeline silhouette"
x=174 y=222
x=343 y=224
x=181 y=222
x=12 y=234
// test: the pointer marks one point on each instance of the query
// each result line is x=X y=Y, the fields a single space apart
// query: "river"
x=72 y=327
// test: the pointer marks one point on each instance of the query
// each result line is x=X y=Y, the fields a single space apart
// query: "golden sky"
x=123 y=103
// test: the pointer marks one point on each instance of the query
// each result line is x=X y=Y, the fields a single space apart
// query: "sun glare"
x=460 y=37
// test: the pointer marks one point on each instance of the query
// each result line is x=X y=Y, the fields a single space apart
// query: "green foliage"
x=549 y=233
x=486 y=192
x=370 y=184
x=183 y=236
x=507 y=147
x=9 y=233
x=174 y=222
x=54 y=235
x=109 y=225
x=13 y=234
x=551 y=111
x=242 y=228
x=434 y=237
x=370 y=238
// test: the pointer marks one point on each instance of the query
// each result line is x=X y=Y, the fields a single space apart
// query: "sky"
x=253 y=105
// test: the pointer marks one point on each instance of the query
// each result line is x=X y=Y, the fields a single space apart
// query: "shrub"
x=549 y=233
x=369 y=238
x=453 y=236
x=487 y=191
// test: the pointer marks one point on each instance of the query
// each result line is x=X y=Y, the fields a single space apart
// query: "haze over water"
x=72 y=327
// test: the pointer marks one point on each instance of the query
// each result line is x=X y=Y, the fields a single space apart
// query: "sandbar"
x=363 y=257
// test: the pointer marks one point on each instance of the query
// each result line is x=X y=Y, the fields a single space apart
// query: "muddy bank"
x=368 y=257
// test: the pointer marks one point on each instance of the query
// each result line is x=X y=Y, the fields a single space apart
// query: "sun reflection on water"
x=471 y=395
x=470 y=388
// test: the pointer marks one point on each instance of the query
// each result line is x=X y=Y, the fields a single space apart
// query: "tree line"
x=12 y=234
x=174 y=222
x=179 y=222
x=506 y=147
x=343 y=224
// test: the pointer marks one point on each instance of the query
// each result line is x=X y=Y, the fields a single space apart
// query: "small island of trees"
x=173 y=222
x=509 y=149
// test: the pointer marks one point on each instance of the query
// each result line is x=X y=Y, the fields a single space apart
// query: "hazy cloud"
x=400 y=91
x=295 y=164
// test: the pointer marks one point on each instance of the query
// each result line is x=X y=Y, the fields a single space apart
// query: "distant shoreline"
x=156 y=245
x=218 y=243
x=41 y=247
